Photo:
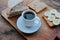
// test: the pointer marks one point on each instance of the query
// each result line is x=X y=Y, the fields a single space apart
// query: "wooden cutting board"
x=44 y=33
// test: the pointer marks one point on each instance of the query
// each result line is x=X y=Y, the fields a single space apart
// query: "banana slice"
x=51 y=18
x=56 y=22
x=47 y=13
x=53 y=11
x=57 y=15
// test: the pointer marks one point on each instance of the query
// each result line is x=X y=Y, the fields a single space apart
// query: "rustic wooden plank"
x=37 y=5
x=51 y=24
x=48 y=22
x=44 y=33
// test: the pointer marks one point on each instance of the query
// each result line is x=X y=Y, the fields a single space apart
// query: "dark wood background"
x=9 y=33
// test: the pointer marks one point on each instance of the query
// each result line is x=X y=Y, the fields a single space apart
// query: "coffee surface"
x=29 y=15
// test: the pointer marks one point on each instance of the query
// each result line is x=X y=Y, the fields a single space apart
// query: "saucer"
x=35 y=27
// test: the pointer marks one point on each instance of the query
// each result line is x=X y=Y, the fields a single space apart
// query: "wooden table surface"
x=6 y=30
x=9 y=33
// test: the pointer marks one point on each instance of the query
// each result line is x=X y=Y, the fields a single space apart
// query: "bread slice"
x=52 y=17
x=37 y=5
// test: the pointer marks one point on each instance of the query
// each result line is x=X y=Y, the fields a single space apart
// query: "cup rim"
x=28 y=11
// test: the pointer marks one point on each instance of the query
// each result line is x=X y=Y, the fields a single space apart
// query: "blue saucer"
x=24 y=29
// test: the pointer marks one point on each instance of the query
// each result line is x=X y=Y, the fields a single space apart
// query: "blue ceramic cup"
x=28 y=17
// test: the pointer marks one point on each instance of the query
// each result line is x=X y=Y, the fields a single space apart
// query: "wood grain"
x=48 y=22
x=37 y=6
x=44 y=33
